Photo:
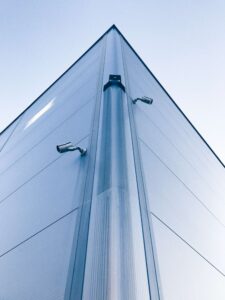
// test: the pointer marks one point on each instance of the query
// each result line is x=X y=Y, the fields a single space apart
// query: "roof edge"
x=70 y=67
x=170 y=97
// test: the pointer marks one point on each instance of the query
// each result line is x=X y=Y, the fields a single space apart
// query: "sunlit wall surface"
x=140 y=216
x=185 y=189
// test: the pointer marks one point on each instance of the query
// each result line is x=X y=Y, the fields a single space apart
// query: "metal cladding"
x=138 y=212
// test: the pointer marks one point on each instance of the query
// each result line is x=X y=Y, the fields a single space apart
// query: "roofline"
x=170 y=97
x=119 y=32
x=70 y=67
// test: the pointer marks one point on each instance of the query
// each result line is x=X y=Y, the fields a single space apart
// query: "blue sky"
x=182 y=42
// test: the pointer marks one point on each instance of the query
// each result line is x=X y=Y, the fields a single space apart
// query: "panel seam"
x=181 y=181
x=185 y=242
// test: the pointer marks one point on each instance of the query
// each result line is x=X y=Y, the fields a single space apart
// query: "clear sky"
x=182 y=42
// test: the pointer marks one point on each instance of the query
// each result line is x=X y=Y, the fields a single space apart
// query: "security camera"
x=144 y=99
x=70 y=147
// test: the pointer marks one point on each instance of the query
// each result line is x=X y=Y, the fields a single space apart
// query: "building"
x=140 y=215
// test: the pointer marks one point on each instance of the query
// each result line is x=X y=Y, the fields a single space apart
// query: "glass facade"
x=140 y=216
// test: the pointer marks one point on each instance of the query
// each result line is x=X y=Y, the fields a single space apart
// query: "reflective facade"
x=140 y=216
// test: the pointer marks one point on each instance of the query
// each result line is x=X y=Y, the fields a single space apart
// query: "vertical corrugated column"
x=110 y=271
x=76 y=273
x=147 y=227
x=115 y=262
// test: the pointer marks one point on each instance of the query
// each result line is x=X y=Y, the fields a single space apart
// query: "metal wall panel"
x=37 y=269
x=14 y=174
x=64 y=97
x=184 y=274
x=175 y=205
x=35 y=204
x=210 y=196
x=184 y=182
x=42 y=191
x=166 y=116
